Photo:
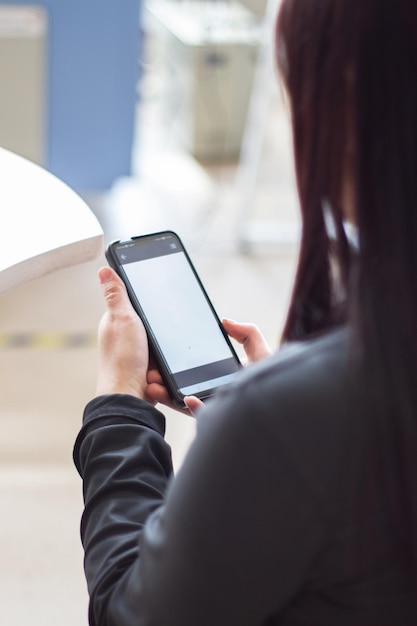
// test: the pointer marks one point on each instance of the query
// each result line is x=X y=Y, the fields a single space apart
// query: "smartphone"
x=187 y=341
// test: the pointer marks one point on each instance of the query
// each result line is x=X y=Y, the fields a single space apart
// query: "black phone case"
x=155 y=353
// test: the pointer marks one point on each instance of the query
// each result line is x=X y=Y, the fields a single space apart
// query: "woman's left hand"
x=123 y=354
x=157 y=392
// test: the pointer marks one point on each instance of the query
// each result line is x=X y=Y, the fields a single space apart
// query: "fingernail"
x=228 y=320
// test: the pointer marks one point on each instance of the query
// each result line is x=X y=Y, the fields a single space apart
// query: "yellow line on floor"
x=46 y=341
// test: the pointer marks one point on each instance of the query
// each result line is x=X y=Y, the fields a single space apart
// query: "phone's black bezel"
x=155 y=351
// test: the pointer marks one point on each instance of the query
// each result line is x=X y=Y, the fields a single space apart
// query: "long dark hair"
x=350 y=70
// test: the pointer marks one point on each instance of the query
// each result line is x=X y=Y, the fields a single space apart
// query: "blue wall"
x=93 y=61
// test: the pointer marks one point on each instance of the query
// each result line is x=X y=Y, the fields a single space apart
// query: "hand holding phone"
x=123 y=360
x=188 y=343
x=254 y=344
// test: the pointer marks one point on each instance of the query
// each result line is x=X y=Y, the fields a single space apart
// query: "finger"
x=158 y=394
x=251 y=338
x=154 y=376
x=115 y=293
x=193 y=404
x=122 y=343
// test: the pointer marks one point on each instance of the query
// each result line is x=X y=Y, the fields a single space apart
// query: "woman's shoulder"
x=311 y=369
x=302 y=398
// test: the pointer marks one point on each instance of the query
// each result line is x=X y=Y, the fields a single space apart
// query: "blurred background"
x=160 y=115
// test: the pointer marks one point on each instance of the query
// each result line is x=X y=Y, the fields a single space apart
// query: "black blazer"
x=275 y=517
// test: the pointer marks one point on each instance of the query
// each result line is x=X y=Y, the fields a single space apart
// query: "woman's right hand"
x=250 y=337
x=254 y=344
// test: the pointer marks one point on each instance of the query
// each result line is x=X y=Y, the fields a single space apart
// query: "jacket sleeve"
x=229 y=542
x=125 y=465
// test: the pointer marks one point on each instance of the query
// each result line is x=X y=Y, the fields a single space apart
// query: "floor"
x=48 y=354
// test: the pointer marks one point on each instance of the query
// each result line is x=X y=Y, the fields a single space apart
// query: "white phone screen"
x=182 y=322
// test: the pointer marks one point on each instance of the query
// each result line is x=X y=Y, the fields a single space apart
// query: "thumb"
x=251 y=338
x=115 y=294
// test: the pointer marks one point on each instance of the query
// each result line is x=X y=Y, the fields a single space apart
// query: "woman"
x=297 y=501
